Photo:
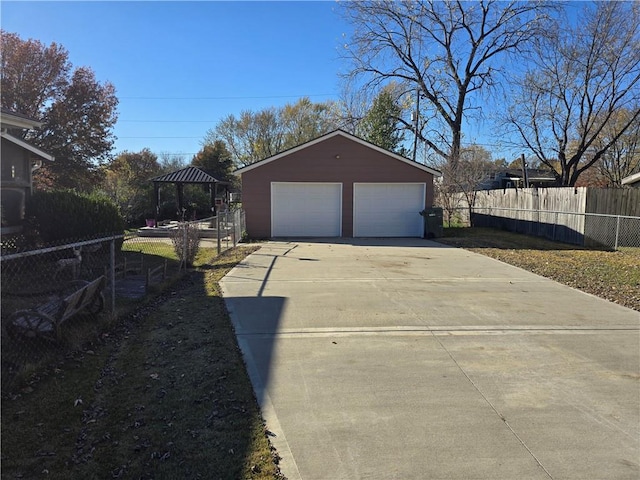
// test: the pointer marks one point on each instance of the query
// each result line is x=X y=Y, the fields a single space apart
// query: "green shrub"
x=66 y=215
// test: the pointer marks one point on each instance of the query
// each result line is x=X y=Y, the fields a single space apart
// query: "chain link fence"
x=585 y=229
x=60 y=297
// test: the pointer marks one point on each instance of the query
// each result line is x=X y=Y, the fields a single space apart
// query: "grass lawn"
x=614 y=276
x=164 y=395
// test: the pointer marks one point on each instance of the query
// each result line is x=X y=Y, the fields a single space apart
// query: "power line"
x=168 y=121
x=162 y=153
x=252 y=97
x=161 y=137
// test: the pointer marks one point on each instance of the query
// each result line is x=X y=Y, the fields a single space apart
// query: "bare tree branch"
x=583 y=78
x=447 y=50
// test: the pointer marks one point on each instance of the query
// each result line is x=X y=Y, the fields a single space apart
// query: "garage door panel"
x=388 y=209
x=306 y=209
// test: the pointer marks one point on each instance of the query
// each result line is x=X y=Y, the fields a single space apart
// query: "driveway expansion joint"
x=493 y=407
x=434 y=331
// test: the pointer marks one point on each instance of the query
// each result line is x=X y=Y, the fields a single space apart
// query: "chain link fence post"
x=185 y=242
x=218 y=233
x=112 y=275
x=235 y=233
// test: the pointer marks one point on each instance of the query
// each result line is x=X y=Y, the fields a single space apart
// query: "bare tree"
x=257 y=135
x=448 y=198
x=623 y=157
x=459 y=187
x=170 y=162
x=582 y=78
x=305 y=120
x=250 y=137
x=353 y=105
x=448 y=51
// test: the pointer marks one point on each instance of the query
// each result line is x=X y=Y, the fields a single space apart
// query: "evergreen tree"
x=380 y=125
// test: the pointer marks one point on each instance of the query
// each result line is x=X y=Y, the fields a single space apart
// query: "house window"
x=17 y=170
x=11 y=170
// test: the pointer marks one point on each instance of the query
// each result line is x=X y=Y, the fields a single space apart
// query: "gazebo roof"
x=188 y=175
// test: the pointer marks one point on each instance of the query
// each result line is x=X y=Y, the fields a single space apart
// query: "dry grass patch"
x=614 y=276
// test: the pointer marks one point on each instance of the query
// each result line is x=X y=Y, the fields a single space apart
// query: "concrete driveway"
x=405 y=359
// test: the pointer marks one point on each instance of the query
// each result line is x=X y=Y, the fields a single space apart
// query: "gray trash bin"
x=432 y=222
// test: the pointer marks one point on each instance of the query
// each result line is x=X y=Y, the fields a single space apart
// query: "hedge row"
x=68 y=215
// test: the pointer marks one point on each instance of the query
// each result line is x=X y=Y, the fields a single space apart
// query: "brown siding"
x=16 y=168
x=318 y=163
x=16 y=181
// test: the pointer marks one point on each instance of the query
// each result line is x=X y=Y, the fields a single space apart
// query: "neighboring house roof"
x=344 y=134
x=26 y=146
x=10 y=119
x=533 y=174
x=631 y=179
x=187 y=175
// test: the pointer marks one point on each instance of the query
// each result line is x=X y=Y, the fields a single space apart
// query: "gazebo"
x=188 y=175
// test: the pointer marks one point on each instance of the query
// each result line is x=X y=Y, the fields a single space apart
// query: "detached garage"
x=337 y=185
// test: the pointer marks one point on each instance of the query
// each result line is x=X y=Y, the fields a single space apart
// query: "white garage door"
x=388 y=209
x=306 y=209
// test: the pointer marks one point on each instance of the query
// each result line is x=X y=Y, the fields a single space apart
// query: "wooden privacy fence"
x=581 y=216
x=609 y=201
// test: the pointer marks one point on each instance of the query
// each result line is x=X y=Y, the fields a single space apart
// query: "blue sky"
x=179 y=67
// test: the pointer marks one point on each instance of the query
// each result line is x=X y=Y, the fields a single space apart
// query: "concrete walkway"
x=405 y=359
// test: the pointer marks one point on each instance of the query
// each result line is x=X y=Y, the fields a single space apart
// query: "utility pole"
x=417 y=120
x=525 y=174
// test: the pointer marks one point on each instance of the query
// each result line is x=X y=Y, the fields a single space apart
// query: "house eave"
x=26 y=146
x=13 y=120
x=631 y=179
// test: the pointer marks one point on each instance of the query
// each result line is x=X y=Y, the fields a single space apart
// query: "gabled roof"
x=338 y=133
x=26 y=146
x=631 y=179
x=9 y=119
x=189 y=174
